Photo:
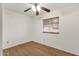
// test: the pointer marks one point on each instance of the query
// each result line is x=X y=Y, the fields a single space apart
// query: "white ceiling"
x=20 y=7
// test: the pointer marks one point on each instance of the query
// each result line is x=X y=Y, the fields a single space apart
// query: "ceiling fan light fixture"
x=38 y=7
x=34 y=8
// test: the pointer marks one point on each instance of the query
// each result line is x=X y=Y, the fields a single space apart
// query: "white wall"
x=17 y=28
x=68 y=39
x=0 y=29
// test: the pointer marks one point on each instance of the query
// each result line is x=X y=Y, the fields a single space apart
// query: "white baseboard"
x=15 y=44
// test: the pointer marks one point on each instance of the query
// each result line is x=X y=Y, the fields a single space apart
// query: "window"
x=51 y=25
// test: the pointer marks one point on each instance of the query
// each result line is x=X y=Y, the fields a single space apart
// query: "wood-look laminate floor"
x=34 y=49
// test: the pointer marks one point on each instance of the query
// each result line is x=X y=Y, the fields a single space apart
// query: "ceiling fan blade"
x=27 y=9
x=45 y=9
x=37 y=13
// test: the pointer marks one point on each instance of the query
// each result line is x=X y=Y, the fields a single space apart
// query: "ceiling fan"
x=37 y=7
